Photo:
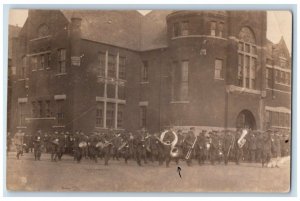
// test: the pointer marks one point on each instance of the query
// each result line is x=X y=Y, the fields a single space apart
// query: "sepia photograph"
x=149 y=101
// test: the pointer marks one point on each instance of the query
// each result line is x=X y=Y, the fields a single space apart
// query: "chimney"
x=75 y=40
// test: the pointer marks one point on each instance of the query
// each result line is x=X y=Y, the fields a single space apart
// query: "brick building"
x=87 y=70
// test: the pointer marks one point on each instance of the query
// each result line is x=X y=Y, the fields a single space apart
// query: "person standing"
x=267 y=148
x=19 y=141
x=37 y=144
x=252 y=146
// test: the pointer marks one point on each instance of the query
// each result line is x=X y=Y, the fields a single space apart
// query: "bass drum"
x=82 y=144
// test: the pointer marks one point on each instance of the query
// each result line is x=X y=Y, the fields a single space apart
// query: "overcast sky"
x=279 y=24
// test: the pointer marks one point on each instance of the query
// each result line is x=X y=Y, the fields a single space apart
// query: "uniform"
x=19 y=141
x=188 y=143
x=228 y=146
x=252 y=146
x=267 y=146
x=200 y=148
x=37 y=148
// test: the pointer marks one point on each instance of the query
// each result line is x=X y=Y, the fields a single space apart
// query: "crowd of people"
x=214 y=147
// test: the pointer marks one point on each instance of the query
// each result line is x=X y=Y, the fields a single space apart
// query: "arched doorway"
x=245 y=119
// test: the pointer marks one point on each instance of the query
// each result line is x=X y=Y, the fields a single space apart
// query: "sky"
x=279 y=23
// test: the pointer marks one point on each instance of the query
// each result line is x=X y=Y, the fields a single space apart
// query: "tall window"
x=143 y=116
x=112 y=66
x=220 y=29
x=111 y=88
x=34 y=63
x=33 y=111
x=185 y=28
x=40 y=105
x=47 y=108
x=110 y=115
x=101 y=64
x=120 y=116
x=180 y=79
x=213 y=28
x=60 y=112
x=48 y=60
x=99 y=114
x=42 y=61
x=121 y=92
x=219 y=69
x=23 y=68
x=22 y=114
x=269 y=78
x=247 y=59
x=62 y=61
x=122 y=65
x=176 y=29
x=144 y=72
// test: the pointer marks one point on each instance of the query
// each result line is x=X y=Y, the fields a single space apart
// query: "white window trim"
x=60 y=97
x=22 y=100
x=143 y=103
x=233 y=88
x=199 y=36
x=40 y=38
x=38 y=53
x=278 y=109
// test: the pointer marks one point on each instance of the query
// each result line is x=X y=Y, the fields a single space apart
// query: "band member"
x=237 y=149
x=168 y=139
x=54 y=146
x=77 y=150
x=228 y=145
x=19 y=141
x=267 y=146
x=259 y=146
x=276 y=147
x=200 y=148
x=189 y=144
x=252 y=146
x=37 y=148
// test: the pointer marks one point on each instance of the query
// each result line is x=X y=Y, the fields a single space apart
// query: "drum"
x=82 y=144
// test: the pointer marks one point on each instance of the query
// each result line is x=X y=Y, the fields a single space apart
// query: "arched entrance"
x=245 y=119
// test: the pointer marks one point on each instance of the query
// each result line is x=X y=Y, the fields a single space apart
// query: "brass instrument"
x=174 y=152
x=188 y=155
x=241 y=141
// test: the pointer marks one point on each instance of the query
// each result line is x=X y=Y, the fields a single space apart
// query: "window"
x=111 y=88
x=112 y=66
x=277 y=119
x=23 y=68
x=122 y=69
x=220 y=29
x=61 y=61
x=47 y=108
x=185 y=28
x=34 y=63
x=48 y=60
x=180 y=79
x=22 y=114
x=247 y=59
x=40 y=106
x=33 y=111
x=283 y=63
x=110 y=115
x=120 y=116
x=213 y=28
x=269 y=78
x=42 y=62
x=43 y=31
x=176 y=29
x=219 y=69
x=143 y=116
x=59 y=112
x=121 y=92
x=101 y=64
x=99 y=114
x=144 y=72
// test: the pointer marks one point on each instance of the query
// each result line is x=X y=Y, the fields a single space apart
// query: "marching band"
x=243 y=145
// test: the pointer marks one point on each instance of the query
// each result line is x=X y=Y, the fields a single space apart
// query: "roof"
x=123 y=28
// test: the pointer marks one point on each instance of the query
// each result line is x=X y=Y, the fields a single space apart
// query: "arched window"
x=247 y=59
x=43 y=30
